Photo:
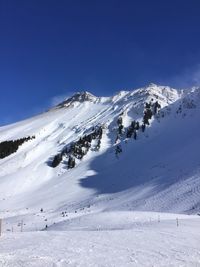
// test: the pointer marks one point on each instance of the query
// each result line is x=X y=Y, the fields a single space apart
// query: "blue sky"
x=50 y=49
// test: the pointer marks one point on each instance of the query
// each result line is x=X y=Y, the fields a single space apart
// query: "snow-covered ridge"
x=78 y=97
x=164 y=94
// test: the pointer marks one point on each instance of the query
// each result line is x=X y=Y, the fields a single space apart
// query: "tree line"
x=150 y=109
x=9 y=147
x=78 y=149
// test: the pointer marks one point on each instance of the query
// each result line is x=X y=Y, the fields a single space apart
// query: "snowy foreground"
x=138 y=208
x=137 y=239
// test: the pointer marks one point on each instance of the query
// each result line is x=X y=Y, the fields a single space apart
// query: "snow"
x=105 y=211
x=146 y=242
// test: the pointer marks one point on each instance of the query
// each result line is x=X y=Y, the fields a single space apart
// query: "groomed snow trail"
x=146 y=243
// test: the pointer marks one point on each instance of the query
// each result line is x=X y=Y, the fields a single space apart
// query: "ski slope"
x=105 y=199
x=144 y=243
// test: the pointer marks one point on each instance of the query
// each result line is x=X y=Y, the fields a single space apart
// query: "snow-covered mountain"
x=92 y=162
x=158 y=171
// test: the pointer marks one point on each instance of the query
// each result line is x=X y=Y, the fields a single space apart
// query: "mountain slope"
x=157 y=172
x=112 y=208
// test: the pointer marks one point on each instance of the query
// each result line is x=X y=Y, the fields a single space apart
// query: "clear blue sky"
x=52 y=48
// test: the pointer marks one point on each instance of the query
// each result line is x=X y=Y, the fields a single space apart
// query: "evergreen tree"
x=98 y=145
x=118 y=150
x=71 y=162
x=135 y=135
x=147 y=116
x=147 y=105
x=156 y=107
x=137 y=125
x=120 y=129
x=129 y=132
x=143 y=127
x=119 y=121
x=9 y=147
x=56 y=161
x=133 y=124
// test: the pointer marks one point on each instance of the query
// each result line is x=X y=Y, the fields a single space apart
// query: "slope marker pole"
x=22 y=226
x=0 y=227
x=177 y=222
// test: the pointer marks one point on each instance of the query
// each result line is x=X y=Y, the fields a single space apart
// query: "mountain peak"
x=78 y=97
x=82 y=96
x=152 y=85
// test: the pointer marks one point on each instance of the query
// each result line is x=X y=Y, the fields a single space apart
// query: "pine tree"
x=133 y=124
x=118 y=150
x=137 y=125
x=71 y=162
x=98 y=145
x=135 y=135
x=129 y=132
x=143 y=127
x=120 y=129
x=56 y=161
x=9 y=147
x=119 y=121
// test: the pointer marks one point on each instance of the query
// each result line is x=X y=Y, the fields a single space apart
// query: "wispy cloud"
x=59 y=98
